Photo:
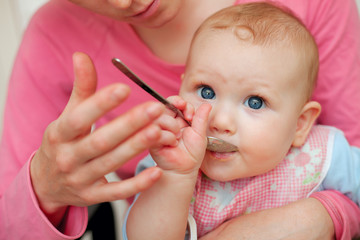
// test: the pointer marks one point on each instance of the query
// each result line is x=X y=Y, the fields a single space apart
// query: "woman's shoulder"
x=59 y=17
x=65 y=28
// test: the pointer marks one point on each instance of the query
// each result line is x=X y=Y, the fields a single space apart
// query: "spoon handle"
x=124 y=69
x=213 y=144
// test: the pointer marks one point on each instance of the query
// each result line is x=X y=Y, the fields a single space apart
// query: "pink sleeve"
x=39 y=88
x=344 y=213
x=21 y=217
x=336 y=28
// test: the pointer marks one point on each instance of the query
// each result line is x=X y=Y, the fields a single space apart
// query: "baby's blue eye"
x=206 y=92
x=255 y=102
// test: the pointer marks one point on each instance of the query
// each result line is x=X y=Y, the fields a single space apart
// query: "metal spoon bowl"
x=213 y=144
x=218 y=145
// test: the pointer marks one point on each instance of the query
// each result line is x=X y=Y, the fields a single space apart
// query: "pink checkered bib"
x=296 y=177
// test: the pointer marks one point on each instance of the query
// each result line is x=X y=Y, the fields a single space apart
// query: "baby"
x=256 y=65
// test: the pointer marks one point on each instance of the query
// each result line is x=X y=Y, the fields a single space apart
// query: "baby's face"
x=146 y=13
x=256 y=101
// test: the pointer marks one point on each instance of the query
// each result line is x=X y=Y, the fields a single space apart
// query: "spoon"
x=213 y=143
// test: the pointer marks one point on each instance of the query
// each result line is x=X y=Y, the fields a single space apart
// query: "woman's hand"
x=70 y=165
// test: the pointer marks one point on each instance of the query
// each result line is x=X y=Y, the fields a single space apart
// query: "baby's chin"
x=224 y=177
x=224 y=171
x=220 y=176
x=221 y=167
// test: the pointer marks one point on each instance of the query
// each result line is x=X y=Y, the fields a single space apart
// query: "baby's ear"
x=306 y=120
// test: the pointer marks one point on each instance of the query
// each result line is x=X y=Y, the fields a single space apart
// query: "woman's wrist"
x=53 y=211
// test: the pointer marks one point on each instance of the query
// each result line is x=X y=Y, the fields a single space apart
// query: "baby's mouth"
x=222 y=156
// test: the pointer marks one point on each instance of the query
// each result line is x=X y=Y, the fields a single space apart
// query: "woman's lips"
x=148 y=11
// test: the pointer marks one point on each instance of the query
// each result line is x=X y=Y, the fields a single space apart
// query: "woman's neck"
x=171 y=42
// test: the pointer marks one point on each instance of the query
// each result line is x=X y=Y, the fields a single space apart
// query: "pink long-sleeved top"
x=42 y=80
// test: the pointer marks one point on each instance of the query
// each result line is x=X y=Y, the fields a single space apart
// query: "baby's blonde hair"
x=268 y=24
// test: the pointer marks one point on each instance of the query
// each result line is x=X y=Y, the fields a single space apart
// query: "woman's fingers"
x=109 y=136
x=85 y=81
x=126 y=188
x=125 y=151
x=71 y=162
x=85 y=106
x=77 y=121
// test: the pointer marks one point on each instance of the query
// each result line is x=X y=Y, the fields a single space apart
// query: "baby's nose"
x=223 y=121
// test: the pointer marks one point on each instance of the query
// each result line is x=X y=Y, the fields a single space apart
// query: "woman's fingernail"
x=118 y=93
x=154 y=109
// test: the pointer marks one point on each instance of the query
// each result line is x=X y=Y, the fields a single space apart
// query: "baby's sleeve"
x=341 y=197
x=145 y=163
x=344 y=171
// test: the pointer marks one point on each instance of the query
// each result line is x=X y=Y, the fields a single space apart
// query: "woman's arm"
x=306 y=219
x=343 y=176
x=323 y=216
x=344 y=213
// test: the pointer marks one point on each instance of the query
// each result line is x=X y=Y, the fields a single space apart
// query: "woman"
x=152 y=38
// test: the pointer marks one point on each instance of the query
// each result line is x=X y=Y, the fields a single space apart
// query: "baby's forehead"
x=260 y=23
x=279 y=65
x=302 y=53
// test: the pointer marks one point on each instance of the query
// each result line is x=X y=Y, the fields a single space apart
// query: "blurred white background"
x=14 y=15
